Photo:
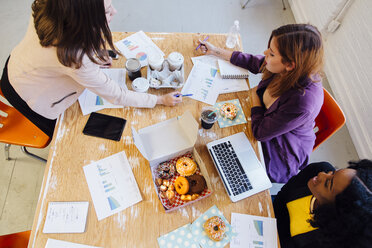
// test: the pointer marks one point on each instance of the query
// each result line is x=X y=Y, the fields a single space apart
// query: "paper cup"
x=140 y=85
x=156 y=61
x=175 y=60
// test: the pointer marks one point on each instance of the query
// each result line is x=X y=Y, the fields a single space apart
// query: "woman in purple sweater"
x=288 y=98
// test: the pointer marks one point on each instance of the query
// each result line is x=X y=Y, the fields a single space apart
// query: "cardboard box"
x=168 y=140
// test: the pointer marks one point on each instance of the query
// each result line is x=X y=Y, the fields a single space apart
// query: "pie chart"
x=141 y=56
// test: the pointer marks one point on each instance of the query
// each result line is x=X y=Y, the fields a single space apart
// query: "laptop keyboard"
x=232 y=168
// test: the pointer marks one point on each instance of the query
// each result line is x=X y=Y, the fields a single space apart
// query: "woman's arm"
x=244 y=60
x=91 y=77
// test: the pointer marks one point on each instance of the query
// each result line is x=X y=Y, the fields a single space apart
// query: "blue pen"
x=206 y=38
x=178 y=95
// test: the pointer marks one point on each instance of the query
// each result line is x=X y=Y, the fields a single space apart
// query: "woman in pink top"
x=61 y=55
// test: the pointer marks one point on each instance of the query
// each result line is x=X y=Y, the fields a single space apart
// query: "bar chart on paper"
x=201 y=83
x=253 y=231
x=112 y=185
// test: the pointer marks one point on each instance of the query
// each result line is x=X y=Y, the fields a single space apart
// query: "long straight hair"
x=75 y=27
x=302 y=45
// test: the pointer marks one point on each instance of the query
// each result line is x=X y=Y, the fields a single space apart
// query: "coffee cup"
x=175 y=60
x=133 y=67
x=208 y=117
x=140 y=85
x=156 y=61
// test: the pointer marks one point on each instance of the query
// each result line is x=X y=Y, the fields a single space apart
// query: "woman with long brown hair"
x=60 y=56
x=289 y=97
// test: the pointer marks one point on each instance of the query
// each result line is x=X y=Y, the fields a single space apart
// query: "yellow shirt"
x=300 y=214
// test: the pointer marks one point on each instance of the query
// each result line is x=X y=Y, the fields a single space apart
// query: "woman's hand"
x=170 y=99
x=209 y=49
x=107 y=63
x=255 y=99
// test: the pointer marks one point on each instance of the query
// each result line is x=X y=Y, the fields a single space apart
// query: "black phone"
x=104 y=126
x=112 y=54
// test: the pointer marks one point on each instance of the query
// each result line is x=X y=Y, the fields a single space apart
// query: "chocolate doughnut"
x=197 y=184
x=166 y=170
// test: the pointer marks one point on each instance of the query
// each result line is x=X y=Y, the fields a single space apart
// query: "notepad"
x=228 y=70
x=66 y=217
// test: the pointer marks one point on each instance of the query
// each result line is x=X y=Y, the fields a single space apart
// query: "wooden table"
x=141 y=224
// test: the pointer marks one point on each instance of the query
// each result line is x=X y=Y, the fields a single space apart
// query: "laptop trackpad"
x=249 y=161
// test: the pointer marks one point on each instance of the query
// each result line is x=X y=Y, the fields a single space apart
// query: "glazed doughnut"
x=166 y=170
x=197 y=184
x=229 y=110
x=215 y=228
x=186 y=166
x=182 y=185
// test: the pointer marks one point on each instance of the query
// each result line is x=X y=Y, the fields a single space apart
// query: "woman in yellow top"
x=324 y=207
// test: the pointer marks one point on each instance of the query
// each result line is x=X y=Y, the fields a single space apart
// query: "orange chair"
x=15 y=240
x=16 y=129
x=329 y=120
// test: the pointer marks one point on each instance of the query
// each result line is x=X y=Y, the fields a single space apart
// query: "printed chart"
x=138 y=45
x=112 y=185
x=201 y=83
x=90 y=102
x=253 y=231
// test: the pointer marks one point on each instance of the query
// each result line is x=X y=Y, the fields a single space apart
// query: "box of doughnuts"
x=179 y=175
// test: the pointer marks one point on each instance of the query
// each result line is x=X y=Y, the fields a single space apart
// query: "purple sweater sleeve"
x=286 y=118
x=247 y=61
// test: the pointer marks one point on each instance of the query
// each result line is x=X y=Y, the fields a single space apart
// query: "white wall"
x=348 y=54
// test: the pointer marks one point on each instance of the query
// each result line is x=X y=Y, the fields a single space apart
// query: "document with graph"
x=202 y=83
x=112 y=185
x=90 y=102
x=253 y=231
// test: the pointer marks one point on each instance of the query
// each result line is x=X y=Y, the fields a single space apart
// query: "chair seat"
x=15 y=240
x=18 y=130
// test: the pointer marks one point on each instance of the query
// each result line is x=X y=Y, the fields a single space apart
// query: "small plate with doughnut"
x=231 y=113
x=181 y=181
x=212 y=229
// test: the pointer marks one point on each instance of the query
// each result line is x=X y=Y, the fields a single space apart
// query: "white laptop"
x=240 y=170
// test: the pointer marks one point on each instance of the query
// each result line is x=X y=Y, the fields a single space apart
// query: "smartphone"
x=104 y=126
x=112 y=54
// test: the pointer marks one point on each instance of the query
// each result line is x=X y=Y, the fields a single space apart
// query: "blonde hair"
x=302 y=45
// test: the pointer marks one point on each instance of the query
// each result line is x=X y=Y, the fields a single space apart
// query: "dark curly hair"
x=348 y=221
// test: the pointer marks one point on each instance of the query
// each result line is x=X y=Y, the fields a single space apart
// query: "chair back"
x=16 y=129
x=329 y=120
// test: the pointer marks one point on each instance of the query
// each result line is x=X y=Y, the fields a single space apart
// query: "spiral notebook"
x=228 y=70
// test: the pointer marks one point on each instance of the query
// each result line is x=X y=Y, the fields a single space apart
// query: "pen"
x=206 y=38
x=178 y=95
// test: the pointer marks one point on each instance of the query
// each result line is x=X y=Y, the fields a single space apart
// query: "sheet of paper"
x=206 y=59
x=253 y=231
x=225 y=85
x=138 y=45
x=112 y=185
x=90 y=102
x=202 y=83
x=53 y=243
x=66 y=217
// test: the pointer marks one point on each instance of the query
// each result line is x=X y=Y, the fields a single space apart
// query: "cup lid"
x=175 y=57
x=140 y=84
x=133 y=64
x=155 y=58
